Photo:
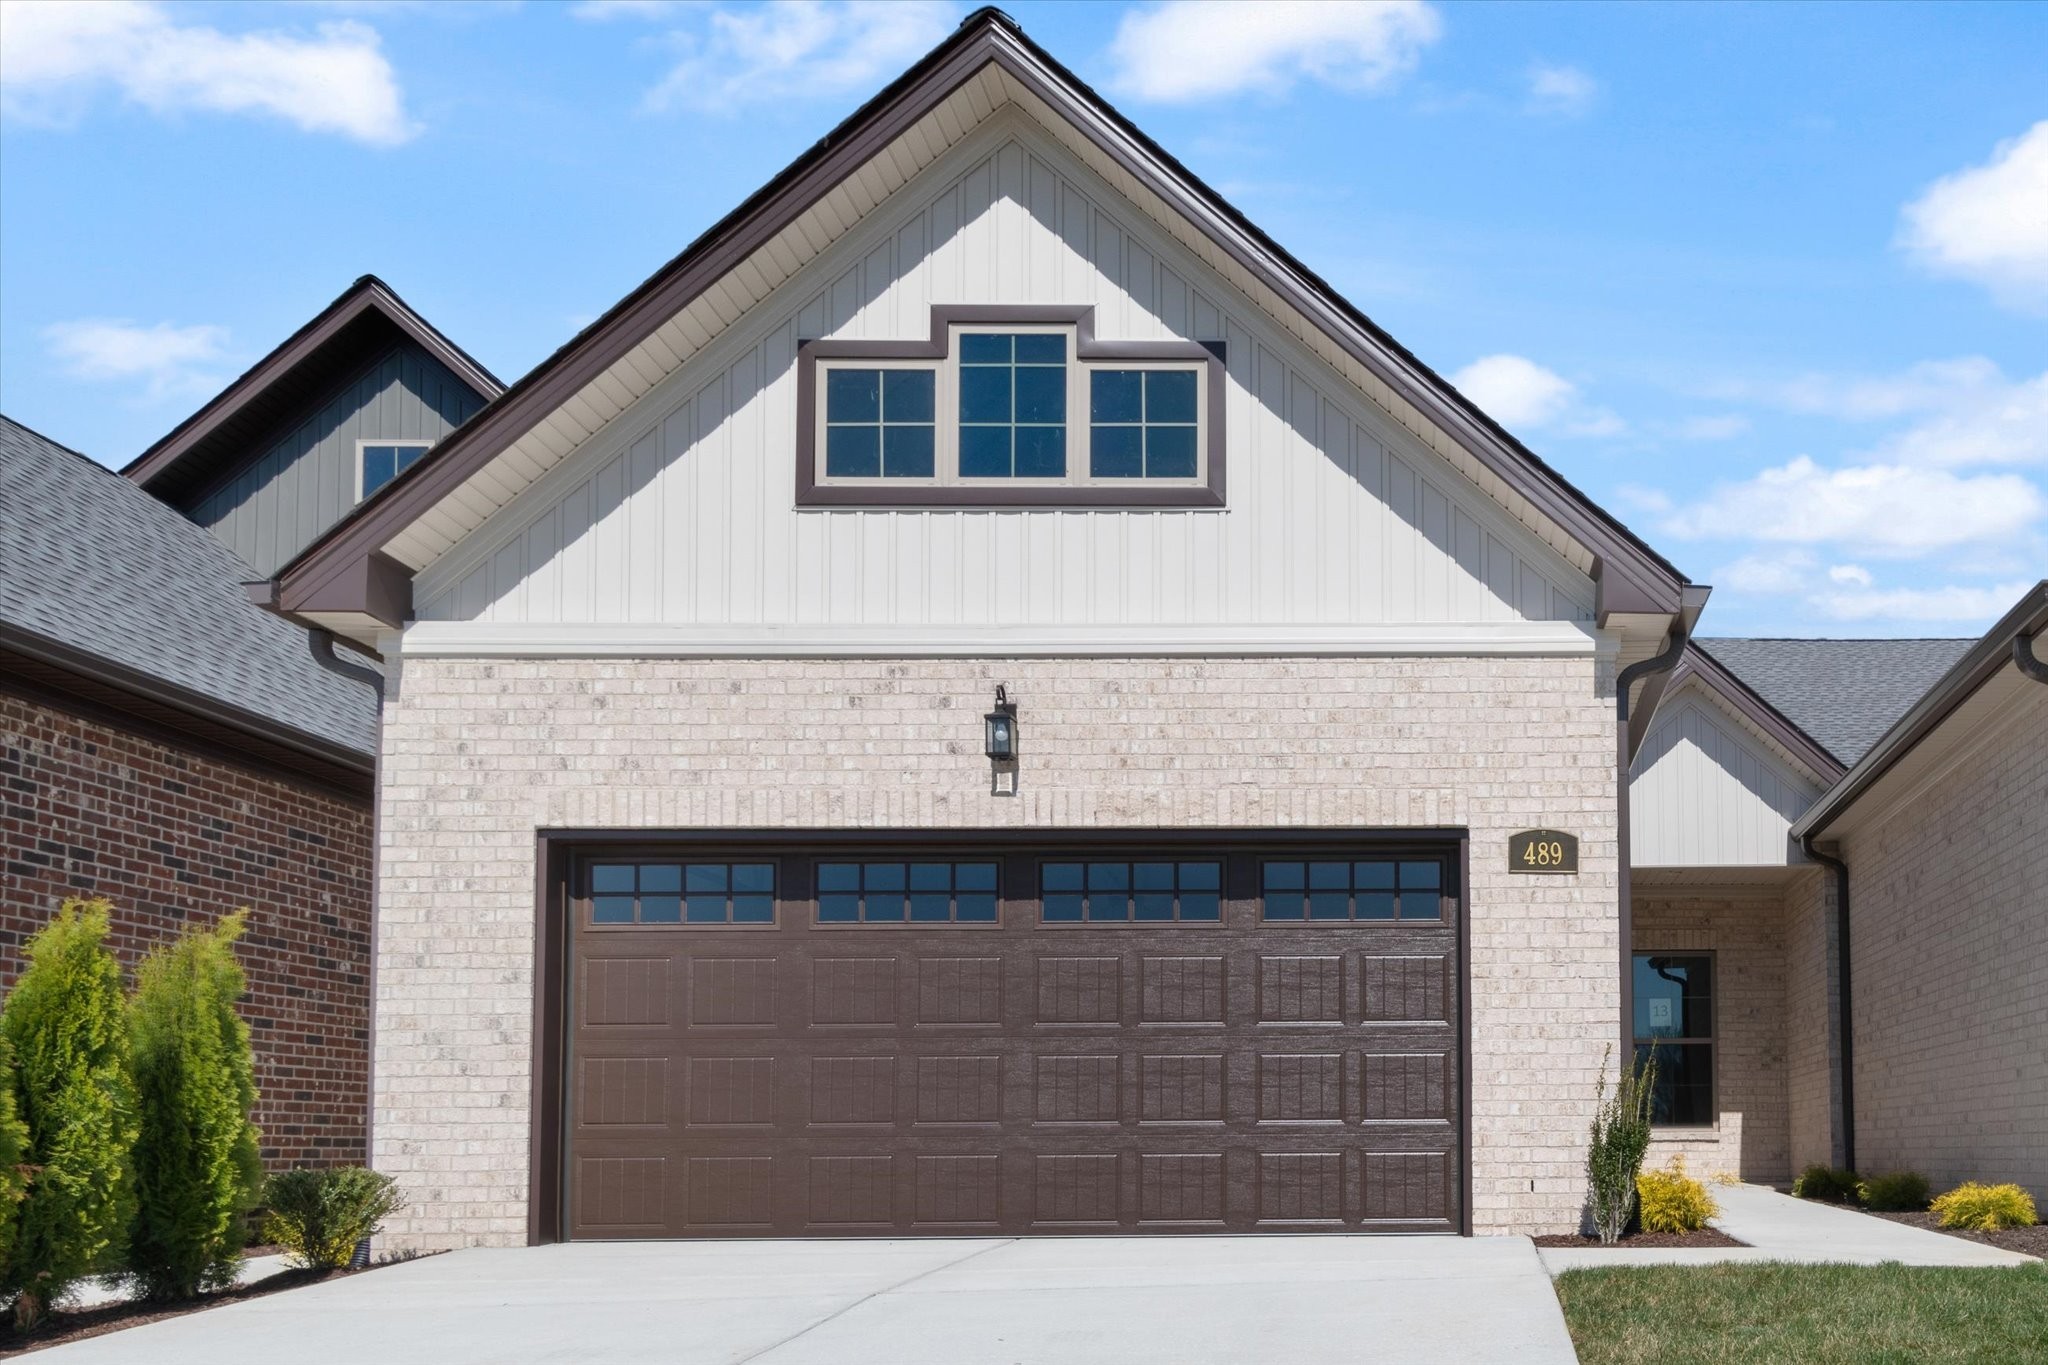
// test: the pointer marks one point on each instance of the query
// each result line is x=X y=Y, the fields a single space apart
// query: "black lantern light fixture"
x=1000 y=729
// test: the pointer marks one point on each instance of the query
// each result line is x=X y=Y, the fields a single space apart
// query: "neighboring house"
x=171 y=748
x=177 y=750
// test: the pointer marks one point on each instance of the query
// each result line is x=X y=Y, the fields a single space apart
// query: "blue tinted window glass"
x=1152 y=876
x=1116 y=452
x=1416 y=876
x=408 y=456
x=909 y=395
x=1041 y=348
x=1062 y=907
x=1375 y=905
x=853 y=396
x=985 y=393
x=1284 y=877
x=839 y=876
x=976 y=907
x=1109 y=876
x=1041 y=452
x=1373 y=876
x=907 y=453
x=853 y=452
x=1041 y=395
x=611 y=877
x=611 y=909
x=1116 y=396
x=882 y=907
x=1425 y=904
x=1152 y=905
x=1061 y=877
x=1330 y=875
x=1284 y=905
x=975 y=876
x=838 y=907
x=705 y=909
x=1199 y=905
x=981 y=348
x=378 y=468
x=931 y=906
x=882 y=876
x=753 y=909
x=931 y=876
x=1170 y=396
x=985 y=452
x=1200 y=876
x=1169 y=452
x=753 y=877
x=1329 y=905
x=1109 y=905
x=661 y=909
x=661 y=877
x=705 y=877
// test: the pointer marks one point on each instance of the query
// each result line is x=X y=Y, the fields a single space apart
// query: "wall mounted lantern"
x=999 y=741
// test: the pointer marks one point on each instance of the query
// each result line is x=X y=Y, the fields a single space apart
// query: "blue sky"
x=1769 y=282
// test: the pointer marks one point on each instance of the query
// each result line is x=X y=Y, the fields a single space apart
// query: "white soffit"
x=699 y=323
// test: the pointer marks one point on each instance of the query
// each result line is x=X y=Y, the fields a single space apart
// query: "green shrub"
x=197 y=1166
x=1895 y=1192
x=1673 y=1201
x=66 y=1023
x=1985 y=1208
x=319 y=1216
x=13 y=1155
x=1829 y=1184
x=1614 y=1154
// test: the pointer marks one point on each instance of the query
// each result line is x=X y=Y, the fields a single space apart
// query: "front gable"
x=679 y=511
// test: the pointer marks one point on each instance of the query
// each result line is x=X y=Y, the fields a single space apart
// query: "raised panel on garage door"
x=873 y=1036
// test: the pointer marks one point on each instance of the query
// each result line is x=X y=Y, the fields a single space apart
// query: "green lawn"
x=1814 y=1315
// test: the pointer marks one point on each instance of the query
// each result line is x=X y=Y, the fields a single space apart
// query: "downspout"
x=1845 y=1011
x=322 y=644
x=1623 y=682
x=2023 y=658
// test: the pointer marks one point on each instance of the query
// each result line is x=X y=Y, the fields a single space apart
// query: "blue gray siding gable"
x=304 y=480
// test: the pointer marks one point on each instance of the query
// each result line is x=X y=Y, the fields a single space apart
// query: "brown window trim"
x=811 y=493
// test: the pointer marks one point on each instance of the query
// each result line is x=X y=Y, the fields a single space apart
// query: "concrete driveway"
x=1117 y=1301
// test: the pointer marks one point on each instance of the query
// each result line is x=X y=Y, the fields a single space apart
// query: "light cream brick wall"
x=1745 y=931
x=1948 y=947
x=478 y=755
x=1813 y=1084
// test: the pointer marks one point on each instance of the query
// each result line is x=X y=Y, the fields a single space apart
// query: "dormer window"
x=1009 y=408
x=379 y=462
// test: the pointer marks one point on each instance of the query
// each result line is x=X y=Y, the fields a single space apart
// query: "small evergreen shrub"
x=14 y=1170
x=1673 y=1201
x=197 y=1166
x=68 y=1028
x=1828 y=1184
x=1895 y=1192
x=1985 y=1208
x=319 y=1216
x=1614 y=1155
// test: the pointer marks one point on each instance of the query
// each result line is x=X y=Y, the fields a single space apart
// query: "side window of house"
x=380 y=462
x=1674 y=1024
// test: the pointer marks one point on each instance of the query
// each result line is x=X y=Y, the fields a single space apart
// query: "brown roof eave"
x=1631 y=576
x=1712 y=673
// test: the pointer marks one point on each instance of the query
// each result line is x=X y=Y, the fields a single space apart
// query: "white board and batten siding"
x=679 y=515
x=1708 y=791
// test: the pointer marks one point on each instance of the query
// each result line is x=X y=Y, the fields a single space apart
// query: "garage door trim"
x=556 y=851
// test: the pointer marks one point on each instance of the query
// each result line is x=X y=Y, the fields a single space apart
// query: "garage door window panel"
x=907 y=893
x=624 y=894
x=1105 y=891
x=1374 y=890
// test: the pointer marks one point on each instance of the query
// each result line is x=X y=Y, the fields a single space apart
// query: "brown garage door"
x=888 y=1040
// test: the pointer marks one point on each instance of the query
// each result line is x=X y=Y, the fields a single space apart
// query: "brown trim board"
x=1631 y=576
x=938 y=347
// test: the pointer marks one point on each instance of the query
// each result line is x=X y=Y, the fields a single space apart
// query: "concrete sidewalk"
x=1061 y=1301
x=1781 y=1228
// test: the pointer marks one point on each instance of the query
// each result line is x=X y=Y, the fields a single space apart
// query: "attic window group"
x=1011 y=413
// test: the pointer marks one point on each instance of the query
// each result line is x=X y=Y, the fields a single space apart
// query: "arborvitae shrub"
x=197 y=1165
x=319 y=1216
x=1895 y=1192
x=13 y=1155
x=1673 y=1201
x=68 y=1026
x=1829 y=1184
x=1985 y=1208
x=1614 y=1153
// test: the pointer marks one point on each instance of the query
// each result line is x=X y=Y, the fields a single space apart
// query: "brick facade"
x=479 y=755
x=171 y=836
x=1948 y=895
x=1813 y=1032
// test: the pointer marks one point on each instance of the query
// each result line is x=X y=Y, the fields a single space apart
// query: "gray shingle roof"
x=1843 y=693
x=91 y=561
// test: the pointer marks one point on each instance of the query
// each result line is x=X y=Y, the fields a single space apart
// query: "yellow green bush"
x=1985 y=1208
x=1673 y=1201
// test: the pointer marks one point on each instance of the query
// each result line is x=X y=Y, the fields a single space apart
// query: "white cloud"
x=1784 y=572
x=2004 y=424
x=169 y=360
x=1560 y=89
x=57 y=55
x=1851 y=575
x=1515 y=391
x=1724 y=427
x=802 y=49
x=1952 y=602
x=1967 y=411
x=1989 y=223
x=601 y=10
x=1199 y=49
x=1886 y=511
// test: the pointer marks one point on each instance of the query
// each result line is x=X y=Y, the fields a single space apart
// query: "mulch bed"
x=2031 y=1241
x=1705 y=1237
